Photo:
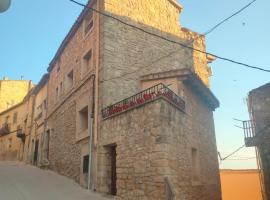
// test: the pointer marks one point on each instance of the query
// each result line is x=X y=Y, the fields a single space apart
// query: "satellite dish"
x=4 y=5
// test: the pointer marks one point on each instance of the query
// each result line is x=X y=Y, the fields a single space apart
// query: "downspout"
x=90 y=129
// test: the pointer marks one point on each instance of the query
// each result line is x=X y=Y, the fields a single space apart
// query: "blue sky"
x=31 y=31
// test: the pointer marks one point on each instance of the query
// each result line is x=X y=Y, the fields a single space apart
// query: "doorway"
x=36 y=152
x=113 y=171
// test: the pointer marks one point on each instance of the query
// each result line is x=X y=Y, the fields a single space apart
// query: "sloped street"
x=23 y=182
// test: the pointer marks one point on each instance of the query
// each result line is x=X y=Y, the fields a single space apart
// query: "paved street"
x=23 y=182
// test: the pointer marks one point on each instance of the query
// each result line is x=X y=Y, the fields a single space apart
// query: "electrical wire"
x=173 y=52
x=223 y=21
x=170 y=40
x=222 y=159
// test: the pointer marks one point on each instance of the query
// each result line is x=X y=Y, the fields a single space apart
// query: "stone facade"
x=12 y=92
x=155 y=151
x=68 y=102
x=259 y=107
x=17 y=117
x=37 y=141
x=155 y=141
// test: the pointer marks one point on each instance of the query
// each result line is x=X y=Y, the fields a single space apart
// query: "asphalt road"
x=23 y=182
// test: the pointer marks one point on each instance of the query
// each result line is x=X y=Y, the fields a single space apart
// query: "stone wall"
x=66 y=146
x=259 y=102
x=128 y=54
x=156 y=141
x=11 y=147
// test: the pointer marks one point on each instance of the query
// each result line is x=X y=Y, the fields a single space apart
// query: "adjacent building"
x=240 y=184
x=13 y=92
x=125 y=112
x=257 y=131
x=37 y=150
x=15 y=123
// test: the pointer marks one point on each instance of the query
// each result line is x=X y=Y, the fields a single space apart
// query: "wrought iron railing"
x=5 y=129
x=148 y=95
x=249 y=132
x=249 y=129
x=20 y=133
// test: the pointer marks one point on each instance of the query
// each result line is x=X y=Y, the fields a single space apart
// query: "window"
x=70 y=79
x=85 y=164
x=45 y=104
x=83 y=119
x=15 y=116
x=58 y=65
x=7 y=119
x=88 y=22
x=61 y=88
x=9 y=142
x=47 y=144
x=86 y=62
x=56 y=93
x=195 y=165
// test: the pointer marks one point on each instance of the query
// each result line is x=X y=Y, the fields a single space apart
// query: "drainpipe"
x=90 y=130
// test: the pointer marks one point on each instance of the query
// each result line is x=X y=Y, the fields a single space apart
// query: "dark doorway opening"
x=113 y=171
x=36 y=152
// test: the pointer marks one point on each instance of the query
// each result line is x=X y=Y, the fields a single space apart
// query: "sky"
x=31 y=32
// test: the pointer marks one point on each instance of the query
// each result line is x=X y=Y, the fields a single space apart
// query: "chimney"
x=5 y=78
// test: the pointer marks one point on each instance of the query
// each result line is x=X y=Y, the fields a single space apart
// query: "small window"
x=58 y=65
x=83 y=119
x=15 y=116
x=85 y=164
x=9 y=142
x=195 y=165
x=70 y=79
x=88 y=22
x=7 y=119
x=61 y=88
x=45 y=104
x=86 y=62
x=56 y=93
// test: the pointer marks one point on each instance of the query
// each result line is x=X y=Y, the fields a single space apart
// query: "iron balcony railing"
x=20 y=133
x=249 y=132
x=148 y=95
x=5 y=129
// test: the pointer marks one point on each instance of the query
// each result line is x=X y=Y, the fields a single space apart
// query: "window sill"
x=82 y=135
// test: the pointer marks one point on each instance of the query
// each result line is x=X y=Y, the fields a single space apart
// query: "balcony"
x=20 y=134
x=146 y=96
x=5 y=129
x=249 y=133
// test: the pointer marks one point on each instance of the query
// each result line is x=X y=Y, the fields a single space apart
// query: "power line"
x=206 y=33
x=222 y=159
x=223 y=21
x=169 y=40
x=249 y=158
x=258 y=133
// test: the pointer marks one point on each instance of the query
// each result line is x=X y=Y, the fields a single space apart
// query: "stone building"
x=15 y=125
x=125 y=112
x=13 y=92
x=257 y=131
x=38 y=140
x=158 y=141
